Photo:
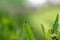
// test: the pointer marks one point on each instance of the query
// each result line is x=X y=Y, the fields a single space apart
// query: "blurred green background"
x=32 y=25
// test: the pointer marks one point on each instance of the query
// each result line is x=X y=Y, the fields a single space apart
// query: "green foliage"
x=9 y=26
x=53 y=33
x=12 y=27
x=28 y=32
x=55 y=25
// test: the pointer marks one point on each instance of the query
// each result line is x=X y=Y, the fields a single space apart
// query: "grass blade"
x=28 y=31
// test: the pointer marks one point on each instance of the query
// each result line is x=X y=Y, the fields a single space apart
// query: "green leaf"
x=42 y=26
x=55 y=25
x=28 y=31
